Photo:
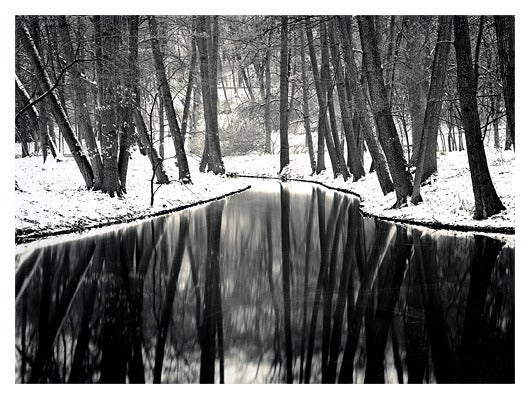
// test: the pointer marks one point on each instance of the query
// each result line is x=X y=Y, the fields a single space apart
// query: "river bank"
x=51 y=198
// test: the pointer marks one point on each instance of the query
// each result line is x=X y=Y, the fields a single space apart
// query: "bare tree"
x=388 y=135
x=487 y=202
x=426 y=164
x=284 y=88
x=178 y=141
x=55 y=105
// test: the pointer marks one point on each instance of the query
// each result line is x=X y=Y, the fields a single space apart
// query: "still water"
x=285 y=283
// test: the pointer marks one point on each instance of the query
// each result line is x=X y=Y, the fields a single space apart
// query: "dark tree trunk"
x=55 y=105
x=305 y=103
x=81 y=103
x=268 y=125
x=487 y=202
x=161 y=126
x=505 y=29
x=321 y=165
x=126 y=113
x=426 y=164
x=189 y=87
x=360 y=103
x=147 y=142
x=324 y=132
x=284 y=88
x=383 y=116
x=327 y=87
x=182 y=161
x=354 y=162
x=109 y=81
x=207 y=45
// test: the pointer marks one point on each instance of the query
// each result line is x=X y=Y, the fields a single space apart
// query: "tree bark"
x=284 y=88
x=383 y=116
x=109 y=81
x=360 y=102
x=426 y=164
x=346 y=112
x=81 y=102
x=487 y=202
x=505 y=30
x=327 y=86
x=189 y=87
x=305 y=101
x=157 y=164
x=323 y=123
x=207 y=45
x=58 y=111
x=268 y=125
x=182 y=161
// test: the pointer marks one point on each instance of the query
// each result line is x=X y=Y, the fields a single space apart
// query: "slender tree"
x=487 y=202
x=81 y=101
x=505 y=29
x=208 y=48
x=284 y=88
x=426 y=164
x=109 y=81
x=388 y=135
x=55 y=105
x=147 y=142
x=305 y=102
x=360 y=103
x=178 y=141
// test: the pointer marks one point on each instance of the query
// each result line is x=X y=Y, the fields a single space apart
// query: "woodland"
x=363 y=94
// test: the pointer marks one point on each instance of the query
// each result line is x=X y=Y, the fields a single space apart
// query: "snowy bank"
x=447 y=199
x=53 y=199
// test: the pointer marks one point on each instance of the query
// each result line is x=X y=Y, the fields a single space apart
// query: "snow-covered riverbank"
x=52 y=196
x=447 y=200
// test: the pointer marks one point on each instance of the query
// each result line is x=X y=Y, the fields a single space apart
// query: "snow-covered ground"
x=448 y=199
x=54 y=196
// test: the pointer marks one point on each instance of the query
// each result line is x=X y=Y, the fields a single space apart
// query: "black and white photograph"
x=264 y=197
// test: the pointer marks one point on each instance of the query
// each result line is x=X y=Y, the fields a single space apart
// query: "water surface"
x=285 y=283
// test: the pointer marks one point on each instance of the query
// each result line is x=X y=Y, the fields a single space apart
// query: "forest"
x=354 y=94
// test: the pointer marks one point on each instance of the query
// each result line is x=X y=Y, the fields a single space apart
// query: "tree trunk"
x=321 y=120
x=207 y=45
x=109 y=81
x=156 y=162
x=487 y=202
x=346 y=112
x=327 y=86
x=383 y=116
x=189 y=88
x=360 y=102
x=268 y=125
x=81 y=102
x=505 y=30
x=305 y=100
x=323 y=123
x=182 y=161
x=284 y=88
x=426 y=164
x=58 y=111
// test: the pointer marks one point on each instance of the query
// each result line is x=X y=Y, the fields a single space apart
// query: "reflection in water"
x=286 y=285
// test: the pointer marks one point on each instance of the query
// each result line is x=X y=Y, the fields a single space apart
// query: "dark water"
x=287 y=284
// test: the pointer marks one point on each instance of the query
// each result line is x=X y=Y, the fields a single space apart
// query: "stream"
x=283 y=283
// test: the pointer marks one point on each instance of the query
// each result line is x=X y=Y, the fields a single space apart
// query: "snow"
x=54 y=196
x=447 y=199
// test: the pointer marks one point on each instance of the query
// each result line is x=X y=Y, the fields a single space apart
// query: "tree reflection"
x=279 y=286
